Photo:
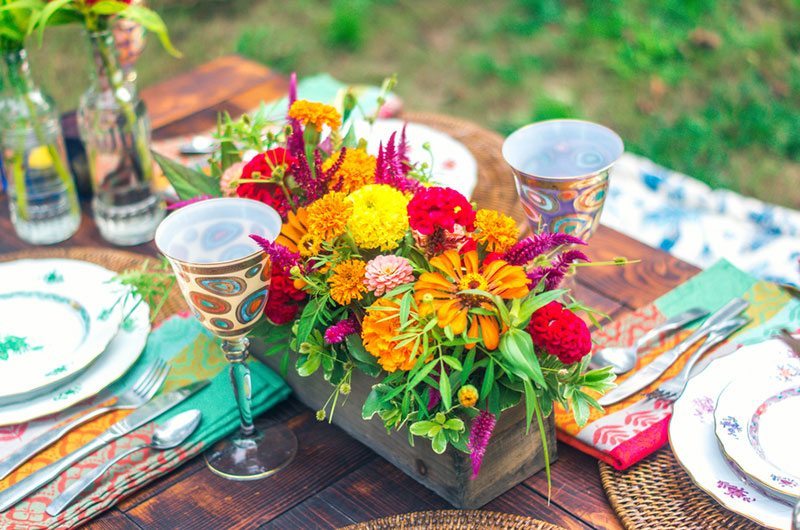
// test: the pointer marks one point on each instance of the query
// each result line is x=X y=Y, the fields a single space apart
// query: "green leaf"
x=108 y=7
x=372 y=404
x=452 y=362
x=469 y=361
x=439 y=443
x=309 y=318
x=516 y=346
x=151 y=21
x=530 y=407
x=44 y=16
x=534 y=302
x=310 y=365
x=405 y=308
x=421 y=428
x=454 y=424
x=422 y=374
x=488 y=381
x=444 y=390
x=284 y=368
x=188 y=183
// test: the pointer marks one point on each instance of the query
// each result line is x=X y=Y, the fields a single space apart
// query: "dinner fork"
x=673 y=388
x=140 y=393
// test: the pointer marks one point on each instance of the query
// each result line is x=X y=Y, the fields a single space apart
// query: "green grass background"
x=710 y=88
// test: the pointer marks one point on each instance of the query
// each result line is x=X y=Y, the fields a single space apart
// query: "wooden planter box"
x=510 y=458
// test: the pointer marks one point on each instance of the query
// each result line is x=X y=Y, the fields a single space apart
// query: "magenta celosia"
x=282 y=258
x=529 y=248
x=554 y=274
x=384 y=273
x=392 y=166
x=337 y=333
x=479 y=434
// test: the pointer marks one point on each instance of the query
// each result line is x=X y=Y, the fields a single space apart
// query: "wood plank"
x=204 y=500
x=637 y=284
x=112 y=520
x=524 y=501
x=205 y=86
x=597 y=301
x=313 y=513
x=577 y=488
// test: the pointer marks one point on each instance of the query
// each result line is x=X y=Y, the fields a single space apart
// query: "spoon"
x=622 y=359
x=169 y=434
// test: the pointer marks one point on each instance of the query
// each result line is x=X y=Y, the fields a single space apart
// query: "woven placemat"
x=454 y=520
x=657 y=493
x=115 y=260
x=495 y=189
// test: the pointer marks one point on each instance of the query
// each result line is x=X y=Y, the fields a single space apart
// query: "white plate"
x=758 y=425
x=56 y=317
x=691 y=435
x=121 y=354
x=453 y=164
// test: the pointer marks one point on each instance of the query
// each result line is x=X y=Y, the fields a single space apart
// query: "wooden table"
x=334 y=480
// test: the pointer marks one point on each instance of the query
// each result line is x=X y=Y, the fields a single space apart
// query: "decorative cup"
x=561 y=170
x=224 y=277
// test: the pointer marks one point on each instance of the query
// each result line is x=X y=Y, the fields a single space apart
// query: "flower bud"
x=344 y=388
x=321 y=415
x=468 y=396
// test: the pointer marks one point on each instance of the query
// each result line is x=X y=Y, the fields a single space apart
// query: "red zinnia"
x=433 y=208
x=261 y=167
x=283 y=301
x=560 y=332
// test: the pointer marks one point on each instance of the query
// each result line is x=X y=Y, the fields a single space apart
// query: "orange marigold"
x=328 y=216
x=347 y=281
x=497 y=231
x=357 y=170
x=441 y=291
x=380 y=326
x=316 y=114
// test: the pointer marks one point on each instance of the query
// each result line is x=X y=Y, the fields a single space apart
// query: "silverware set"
x=713 y=330
x=140 y=397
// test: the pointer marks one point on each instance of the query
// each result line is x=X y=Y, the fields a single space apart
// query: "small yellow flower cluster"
x=497 y=231
x=316 y=114
x=379 y=219
x=357 y=170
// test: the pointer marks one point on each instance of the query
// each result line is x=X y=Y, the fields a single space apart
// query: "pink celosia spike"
x=480 y=432
x=292 y=88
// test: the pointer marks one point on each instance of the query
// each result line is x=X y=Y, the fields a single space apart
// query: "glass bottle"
x=41 y=192
x=115 y=130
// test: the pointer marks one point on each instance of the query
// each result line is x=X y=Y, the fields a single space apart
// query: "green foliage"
x=188 y=183
x=263 y=44
x=347 y=26
x=149 y=283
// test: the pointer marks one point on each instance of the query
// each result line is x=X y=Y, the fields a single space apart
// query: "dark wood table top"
x=335 y=480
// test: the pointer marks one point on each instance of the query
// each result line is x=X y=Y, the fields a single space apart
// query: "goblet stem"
x=236 y=353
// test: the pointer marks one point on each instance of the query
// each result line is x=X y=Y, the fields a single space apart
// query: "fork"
x=140 y=393
x=673 y=388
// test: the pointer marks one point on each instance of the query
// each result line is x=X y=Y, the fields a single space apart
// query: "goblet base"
x=268 y=450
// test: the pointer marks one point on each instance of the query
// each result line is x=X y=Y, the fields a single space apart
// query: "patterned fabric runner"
x=634 y=428
x=194 y=355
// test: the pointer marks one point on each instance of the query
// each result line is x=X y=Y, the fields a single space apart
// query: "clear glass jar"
x=115 y=130
x=41 y=192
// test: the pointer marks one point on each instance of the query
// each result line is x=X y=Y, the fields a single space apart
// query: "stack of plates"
x=64 y=335
x=736 y=431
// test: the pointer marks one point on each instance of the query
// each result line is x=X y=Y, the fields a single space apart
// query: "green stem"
x=105 y=49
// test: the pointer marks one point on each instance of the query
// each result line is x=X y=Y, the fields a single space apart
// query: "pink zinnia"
x=231 y=175
x=384 y=273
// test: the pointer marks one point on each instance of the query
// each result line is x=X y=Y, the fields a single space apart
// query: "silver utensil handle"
x=32 y=483
x=726 y=312
x=79 y=486
x=44 y=440
x=674 y=323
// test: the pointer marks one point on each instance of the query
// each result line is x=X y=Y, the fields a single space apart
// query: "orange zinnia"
x=379 y=328
x=442 y=291
x=293 y=230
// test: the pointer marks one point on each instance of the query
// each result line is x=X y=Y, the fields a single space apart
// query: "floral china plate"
x=694 y=443
x=758 y=424
x=120 y=355
x=56 y=318
x=453 y=164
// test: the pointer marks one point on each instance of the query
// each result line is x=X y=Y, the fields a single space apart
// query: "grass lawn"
x=709 y=87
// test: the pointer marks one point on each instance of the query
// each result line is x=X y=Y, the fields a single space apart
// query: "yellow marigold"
x=497 y=231
x=380 y=326
x=327 y=216
x=347 y=281
x=379 y=218
x=357 y=170
x=468 y=396
x=316 y=114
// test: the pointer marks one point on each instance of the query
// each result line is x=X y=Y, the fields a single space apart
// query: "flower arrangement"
x=378 y=270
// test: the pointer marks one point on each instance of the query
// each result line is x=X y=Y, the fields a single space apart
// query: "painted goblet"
x=561 y=170
x=225 y=279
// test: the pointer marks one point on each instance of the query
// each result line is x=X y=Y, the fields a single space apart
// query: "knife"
x=144 y=414
x=659 y=365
